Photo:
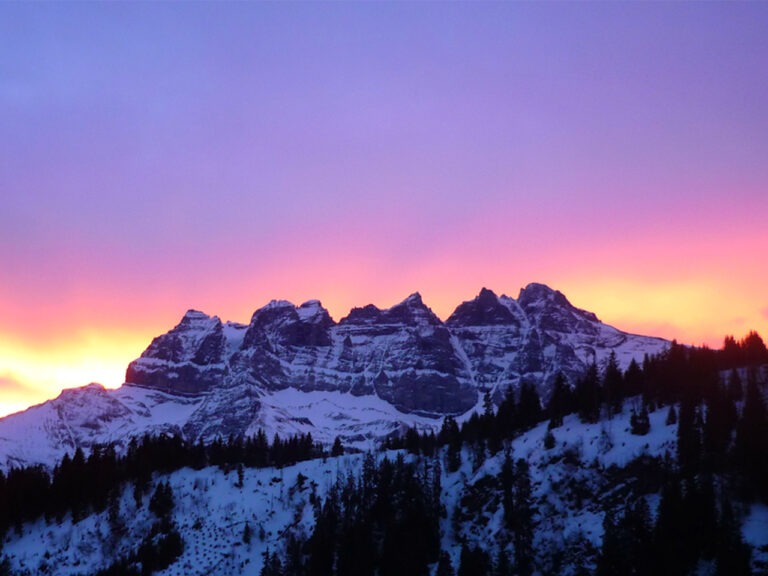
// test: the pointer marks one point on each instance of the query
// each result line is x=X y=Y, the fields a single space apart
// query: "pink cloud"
x=10 y=384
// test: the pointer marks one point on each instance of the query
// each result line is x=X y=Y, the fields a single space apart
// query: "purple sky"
x=161 y=156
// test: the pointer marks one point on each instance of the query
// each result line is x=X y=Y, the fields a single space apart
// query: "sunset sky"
x=156 y=157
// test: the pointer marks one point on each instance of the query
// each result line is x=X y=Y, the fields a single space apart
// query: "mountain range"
x=293 y=369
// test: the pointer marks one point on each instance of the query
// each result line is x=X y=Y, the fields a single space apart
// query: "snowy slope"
x=211 y=512
x=573 y=484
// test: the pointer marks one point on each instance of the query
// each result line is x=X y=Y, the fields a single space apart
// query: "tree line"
x=80 y=485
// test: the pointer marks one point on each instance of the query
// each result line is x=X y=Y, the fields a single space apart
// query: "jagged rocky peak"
x=369 y=314
x=535 y=292
x=196 y=319
x=195 y=338
x=275 y=311
x=313 y=311
x=404 y=354
x=283 y=323
x=186 y=360
x=69 y=394
x=540 y=299
x=280 y=311
x=411 y=311
x=485 y=310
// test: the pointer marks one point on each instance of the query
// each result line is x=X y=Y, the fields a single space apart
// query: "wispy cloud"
x=9 y=384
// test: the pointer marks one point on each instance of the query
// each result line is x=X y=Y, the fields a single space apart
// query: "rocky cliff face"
x=536 y=336
x=404 y=355
x=190 y=359
x=292 y=370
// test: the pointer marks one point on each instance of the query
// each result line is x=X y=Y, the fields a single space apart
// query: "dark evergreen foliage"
x=627 y=542
x=338 y=448
x=522 y=518
x=385 y=522
x=587 y=395
x=613 y=389
x=474 y=562
x=639 y=422
x=529 y=412
x=80 y=485
x=444 y=566
x=560 y=401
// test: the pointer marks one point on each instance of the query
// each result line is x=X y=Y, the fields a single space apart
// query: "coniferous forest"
x=672 y=514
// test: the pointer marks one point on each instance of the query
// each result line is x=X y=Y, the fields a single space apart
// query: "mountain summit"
x=293 y=369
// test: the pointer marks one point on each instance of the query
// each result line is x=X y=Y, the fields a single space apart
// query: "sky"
x=157 y=157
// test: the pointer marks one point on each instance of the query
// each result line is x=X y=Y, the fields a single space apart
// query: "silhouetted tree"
x=613 y=385
x=560 y=401
x=529 y=410
x=587 y=395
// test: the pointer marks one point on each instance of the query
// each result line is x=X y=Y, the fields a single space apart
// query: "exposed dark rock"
x=485 y=310
x=189 y=359
x=405 y=354
x=366 y=315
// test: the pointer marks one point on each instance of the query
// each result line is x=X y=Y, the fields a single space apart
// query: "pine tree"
x=614 y=558
x=753 y=349
x=560 y=401
x=718 y=427
x=735 y=389
x=523 y=519
x=506 y=415
x=473 y=562
x=640 y=423
x=732 y=554
x=451 y=436
x=502 y=566
x=322 y=543
x=337 y=449
x=670 y=556
x=613 y=385
x=444 y=566
x=114 y=517
x=587 y=395
x=78 y=487
x=633 y=379
x=639 y=527
x=272 y=565
x=671 y=416
x=529 y=406
x=549 y=440
x=688 y=439
x=161 y=504
x=751 y=445
x=507 y=478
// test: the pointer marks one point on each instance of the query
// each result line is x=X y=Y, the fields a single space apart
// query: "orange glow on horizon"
x=30 y=374
x=79 y=349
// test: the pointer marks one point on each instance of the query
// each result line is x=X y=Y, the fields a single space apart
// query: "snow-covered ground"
x=572 y=485
x=755 y=529
x=211 y=513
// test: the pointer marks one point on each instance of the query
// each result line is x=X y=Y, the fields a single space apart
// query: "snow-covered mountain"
x=293 y=369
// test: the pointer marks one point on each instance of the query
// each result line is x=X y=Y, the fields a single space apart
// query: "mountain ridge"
x=293 y=369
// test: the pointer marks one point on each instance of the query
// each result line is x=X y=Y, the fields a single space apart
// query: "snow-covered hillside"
x=573 y=483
